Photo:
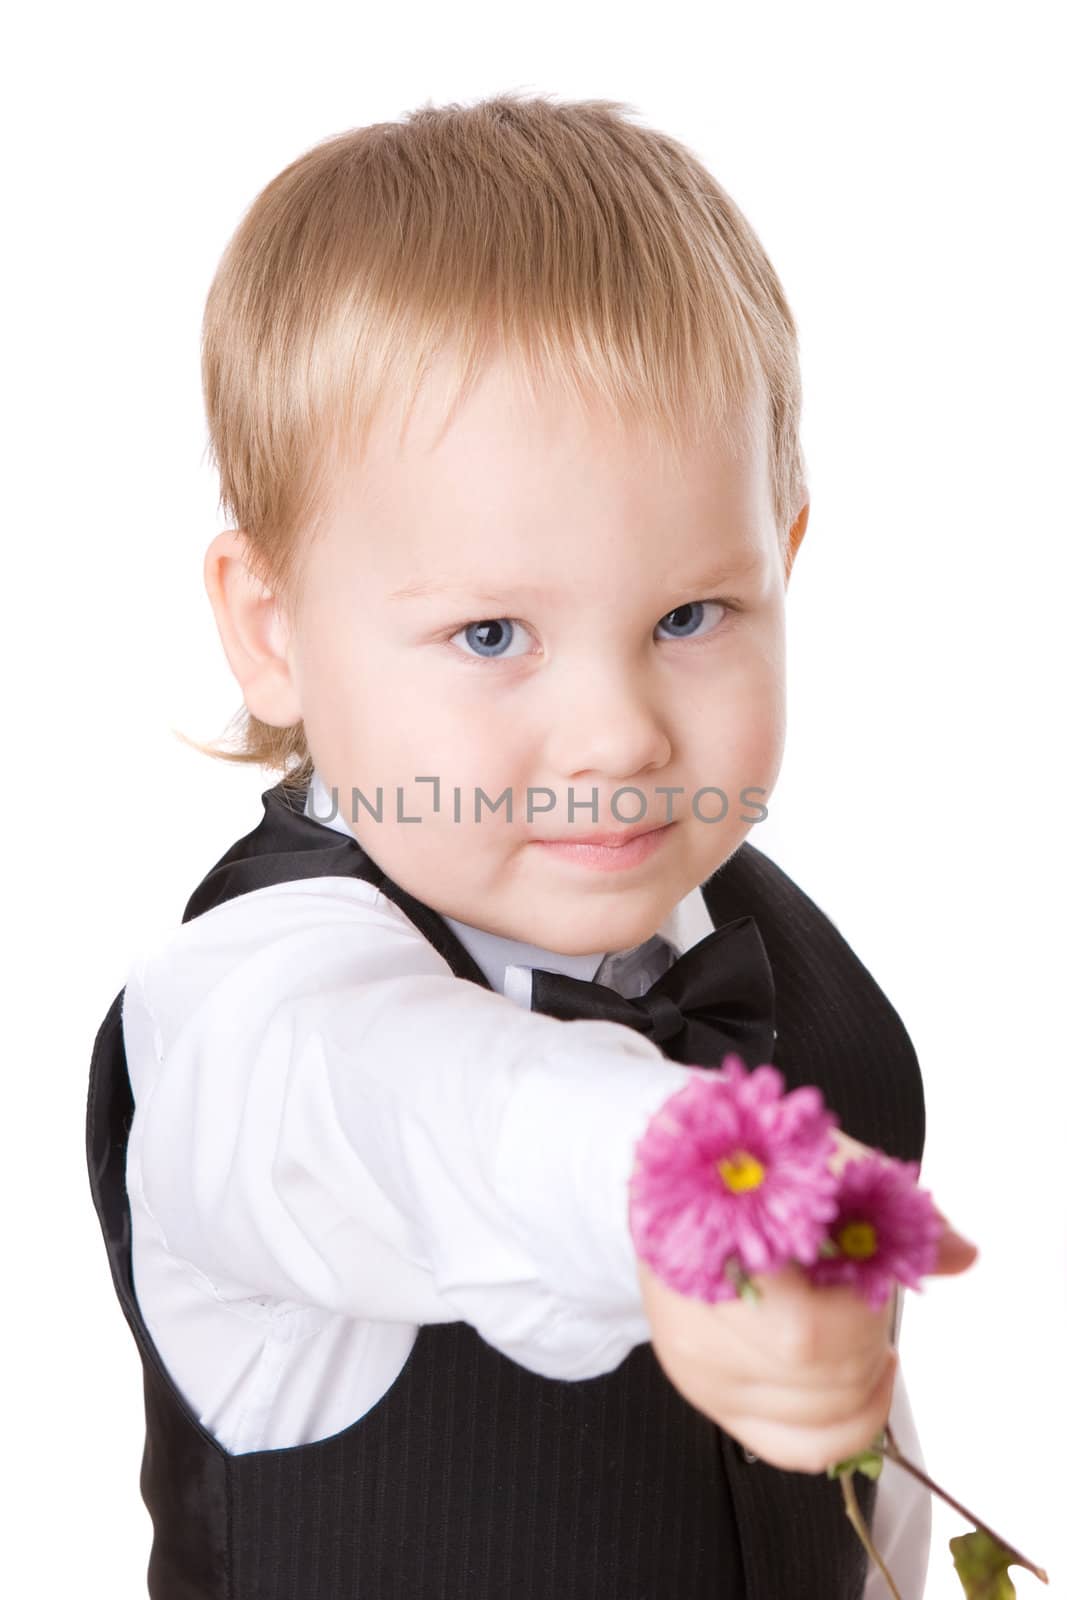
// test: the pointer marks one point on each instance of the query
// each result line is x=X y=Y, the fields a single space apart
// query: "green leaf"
x=982 y=1563
x=746 y=1288
x=869 y=1462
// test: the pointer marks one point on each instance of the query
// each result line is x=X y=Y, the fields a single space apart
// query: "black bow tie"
x=717 y=997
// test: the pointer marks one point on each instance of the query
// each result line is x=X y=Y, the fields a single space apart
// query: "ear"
x=796 y=533
x=253 y=631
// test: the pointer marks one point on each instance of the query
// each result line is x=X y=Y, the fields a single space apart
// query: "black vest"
x=473 y=1478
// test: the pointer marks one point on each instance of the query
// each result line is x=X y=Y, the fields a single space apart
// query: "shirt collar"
x=502 y=959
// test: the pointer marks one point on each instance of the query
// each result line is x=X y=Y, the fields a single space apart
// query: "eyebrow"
x=430 y=589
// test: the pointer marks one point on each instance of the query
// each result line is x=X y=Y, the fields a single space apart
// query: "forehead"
x=511 y=468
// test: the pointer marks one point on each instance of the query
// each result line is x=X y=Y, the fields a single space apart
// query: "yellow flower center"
x=741 y=1171
x=857 y=1239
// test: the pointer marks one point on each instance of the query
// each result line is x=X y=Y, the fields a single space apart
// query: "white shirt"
x=336 y=1140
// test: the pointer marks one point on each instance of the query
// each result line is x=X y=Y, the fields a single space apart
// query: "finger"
x=846 y=1149
x=831 y=1398
x=813 y=1449
x=818 y=1326
x=954 y=1252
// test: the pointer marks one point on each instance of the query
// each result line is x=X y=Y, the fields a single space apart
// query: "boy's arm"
x=325 y=1114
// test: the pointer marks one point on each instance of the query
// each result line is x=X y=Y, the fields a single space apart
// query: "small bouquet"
x=733 y=1177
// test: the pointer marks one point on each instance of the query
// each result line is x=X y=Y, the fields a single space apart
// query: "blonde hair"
x=589 y=250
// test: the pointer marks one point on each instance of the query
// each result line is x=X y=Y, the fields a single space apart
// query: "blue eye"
x=491 y=638
x=689 y=617
x=488 y=639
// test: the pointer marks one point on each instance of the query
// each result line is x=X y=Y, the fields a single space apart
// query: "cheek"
x=402 y=732
x=487 y=748
x=741 y=731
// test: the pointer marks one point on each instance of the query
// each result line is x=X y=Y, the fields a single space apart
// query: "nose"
x=604 y=722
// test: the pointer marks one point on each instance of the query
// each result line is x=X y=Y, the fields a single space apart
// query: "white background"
x=902 y=165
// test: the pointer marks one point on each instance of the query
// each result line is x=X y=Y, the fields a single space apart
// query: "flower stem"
x=892 y=1450
x=855 y=1516
x=746 y=1289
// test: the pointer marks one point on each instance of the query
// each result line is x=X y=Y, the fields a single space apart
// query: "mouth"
x=611 y=838
x=607 y=851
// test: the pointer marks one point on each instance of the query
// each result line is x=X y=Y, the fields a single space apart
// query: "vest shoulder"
x=752 y=882
x=752 y=866
x=800 y=933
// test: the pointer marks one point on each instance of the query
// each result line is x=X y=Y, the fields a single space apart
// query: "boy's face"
x=584 y=615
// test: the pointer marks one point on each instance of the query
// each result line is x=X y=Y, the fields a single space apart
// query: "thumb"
x=954 y=1252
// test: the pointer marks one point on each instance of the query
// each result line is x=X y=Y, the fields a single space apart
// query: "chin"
x=618 y=932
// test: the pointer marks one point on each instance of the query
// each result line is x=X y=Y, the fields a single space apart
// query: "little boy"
x=504 y=402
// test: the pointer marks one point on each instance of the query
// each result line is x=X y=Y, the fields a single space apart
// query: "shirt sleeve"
x=901 y=1525
x=325 y=1114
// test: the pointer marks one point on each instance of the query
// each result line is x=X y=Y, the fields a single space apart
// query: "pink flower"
x=732 y=1173
x=886 y=1229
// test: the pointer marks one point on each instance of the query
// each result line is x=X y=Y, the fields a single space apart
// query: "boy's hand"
x=804 y=1378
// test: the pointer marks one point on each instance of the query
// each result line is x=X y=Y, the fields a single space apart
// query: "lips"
x=603 y=837
x=601 y=850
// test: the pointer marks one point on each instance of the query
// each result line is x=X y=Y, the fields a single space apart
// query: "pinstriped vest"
x=473 y=1478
